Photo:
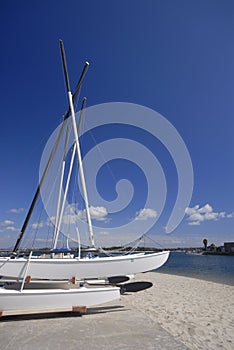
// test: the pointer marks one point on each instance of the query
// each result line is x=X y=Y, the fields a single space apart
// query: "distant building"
x=229 y=247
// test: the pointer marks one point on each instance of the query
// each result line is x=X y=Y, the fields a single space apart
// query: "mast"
x=60 y=208
x=59 y=215
x=81 y=170
x=35 y=198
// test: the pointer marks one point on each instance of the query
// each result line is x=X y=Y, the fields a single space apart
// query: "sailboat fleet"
x=36 y=282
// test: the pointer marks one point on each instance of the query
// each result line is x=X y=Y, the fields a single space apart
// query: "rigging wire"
x=133 y=244
x=37 y=228
x=100 y=152
x=151 y=239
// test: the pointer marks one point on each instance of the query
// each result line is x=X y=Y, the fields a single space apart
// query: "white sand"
x=198 y=313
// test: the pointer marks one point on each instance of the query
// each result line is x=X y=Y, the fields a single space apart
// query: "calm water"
x=214 y=268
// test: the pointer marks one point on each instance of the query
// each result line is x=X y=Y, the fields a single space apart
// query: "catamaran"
x=69 y=267
x=55 y=298
x=21 y=296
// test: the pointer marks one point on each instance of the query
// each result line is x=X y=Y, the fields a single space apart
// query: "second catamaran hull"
x=13 y=300
x=82 y=268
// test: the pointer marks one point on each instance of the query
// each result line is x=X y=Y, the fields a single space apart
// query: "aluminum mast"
x=81 y=170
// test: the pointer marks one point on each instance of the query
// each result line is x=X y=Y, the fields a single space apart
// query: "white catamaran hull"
x=84 y=268
x=33 y=299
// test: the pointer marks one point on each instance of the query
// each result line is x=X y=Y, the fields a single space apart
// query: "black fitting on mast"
x=64 y=65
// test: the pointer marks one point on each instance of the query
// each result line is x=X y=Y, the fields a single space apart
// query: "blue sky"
x=175 y=57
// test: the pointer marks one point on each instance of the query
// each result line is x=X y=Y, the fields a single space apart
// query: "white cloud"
x=69 y=219
x=9 y=228
x=37 y=225
x=196 y=215
x=72 y=215
x=146 y=213
x=16 y=210
x=6 y=223
x=194 y=223
x=206 y=209
x=191 y=211
x=96 y=213
x=231 y=215
x=211 y=216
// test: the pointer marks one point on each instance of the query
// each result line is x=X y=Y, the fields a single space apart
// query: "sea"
x=215 y=268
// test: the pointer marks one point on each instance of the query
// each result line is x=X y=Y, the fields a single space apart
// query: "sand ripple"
x=198 y=313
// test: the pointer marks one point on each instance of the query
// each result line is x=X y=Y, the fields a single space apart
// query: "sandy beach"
x=176 y=313
x=198 y=313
